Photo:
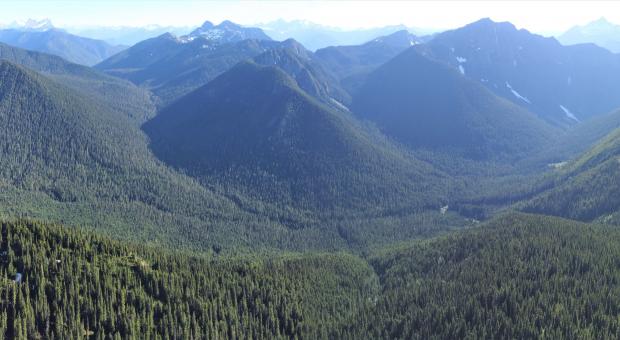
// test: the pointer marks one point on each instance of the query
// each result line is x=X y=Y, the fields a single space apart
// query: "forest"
x=212 y=182
x=516 y=276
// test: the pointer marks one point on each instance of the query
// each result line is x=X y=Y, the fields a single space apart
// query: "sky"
x=536 y=16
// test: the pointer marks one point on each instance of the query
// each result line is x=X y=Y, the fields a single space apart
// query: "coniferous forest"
x=294 y=180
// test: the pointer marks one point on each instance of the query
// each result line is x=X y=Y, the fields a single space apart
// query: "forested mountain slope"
x=174 y=66
x=70 y=159
x=578 y=139
x=426 y=104
x=516 y=277
x=66 y=158
x=113 y=93
x=254 y=128
x=57 y=283
x=586 y=188
x=307 y=71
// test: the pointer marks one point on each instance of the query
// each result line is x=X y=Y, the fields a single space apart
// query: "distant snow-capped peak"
x=225 y=32
x=33 y=25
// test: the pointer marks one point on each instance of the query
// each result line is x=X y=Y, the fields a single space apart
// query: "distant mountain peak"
x=601 y=32
x=484 y=21
x=399 y=38
x=226 y=32
x=488 y=23
x=297 y=47
x=228 y=24
x=41 y=36
x=207 y=25
x=167 y=35
x=33 y=25
x=601 y=21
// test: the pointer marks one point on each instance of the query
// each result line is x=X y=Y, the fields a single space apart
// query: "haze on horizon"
x=433 y=15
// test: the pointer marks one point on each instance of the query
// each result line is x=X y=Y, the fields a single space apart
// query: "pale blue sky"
x=538 y=16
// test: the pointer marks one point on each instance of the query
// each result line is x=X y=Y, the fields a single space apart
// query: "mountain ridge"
x=302 y=148
x=76 y=49
x=427 y=104
x=561 y=84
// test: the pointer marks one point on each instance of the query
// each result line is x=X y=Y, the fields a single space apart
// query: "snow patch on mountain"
x=339 y=104
x=568 y=113
x=225 y=32
x=462 y=69
x=461 y=60
x=212 y=34
x=186 y=39
x=517 y=94
x=32 y=25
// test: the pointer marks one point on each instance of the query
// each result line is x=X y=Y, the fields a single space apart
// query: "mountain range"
x=397 y=126
x=561 y=84
x=223 y=184
x=600 y=32
x=44 y=37
x=126 y=35
x=301 y=150
x=315 y=36
x=429 y=105
x=352 y=63
x=173 y=66
x=226 y=32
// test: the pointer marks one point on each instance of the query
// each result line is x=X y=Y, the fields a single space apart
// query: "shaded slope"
x=426 y=104
x=351 y=64
x=307 y=72
x=561 y=84
x=254 y=126
x=66 y=158
x=348 y=60
x=172 y=67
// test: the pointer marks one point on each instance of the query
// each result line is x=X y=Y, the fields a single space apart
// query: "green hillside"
x=255 y=129
x=113 y=93
x=68 y=159
x=586 y=188
x=77 y=285
x=65 y=158
x=517 y=277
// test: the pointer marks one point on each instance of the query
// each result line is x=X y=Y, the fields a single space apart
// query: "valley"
x=224 y=184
